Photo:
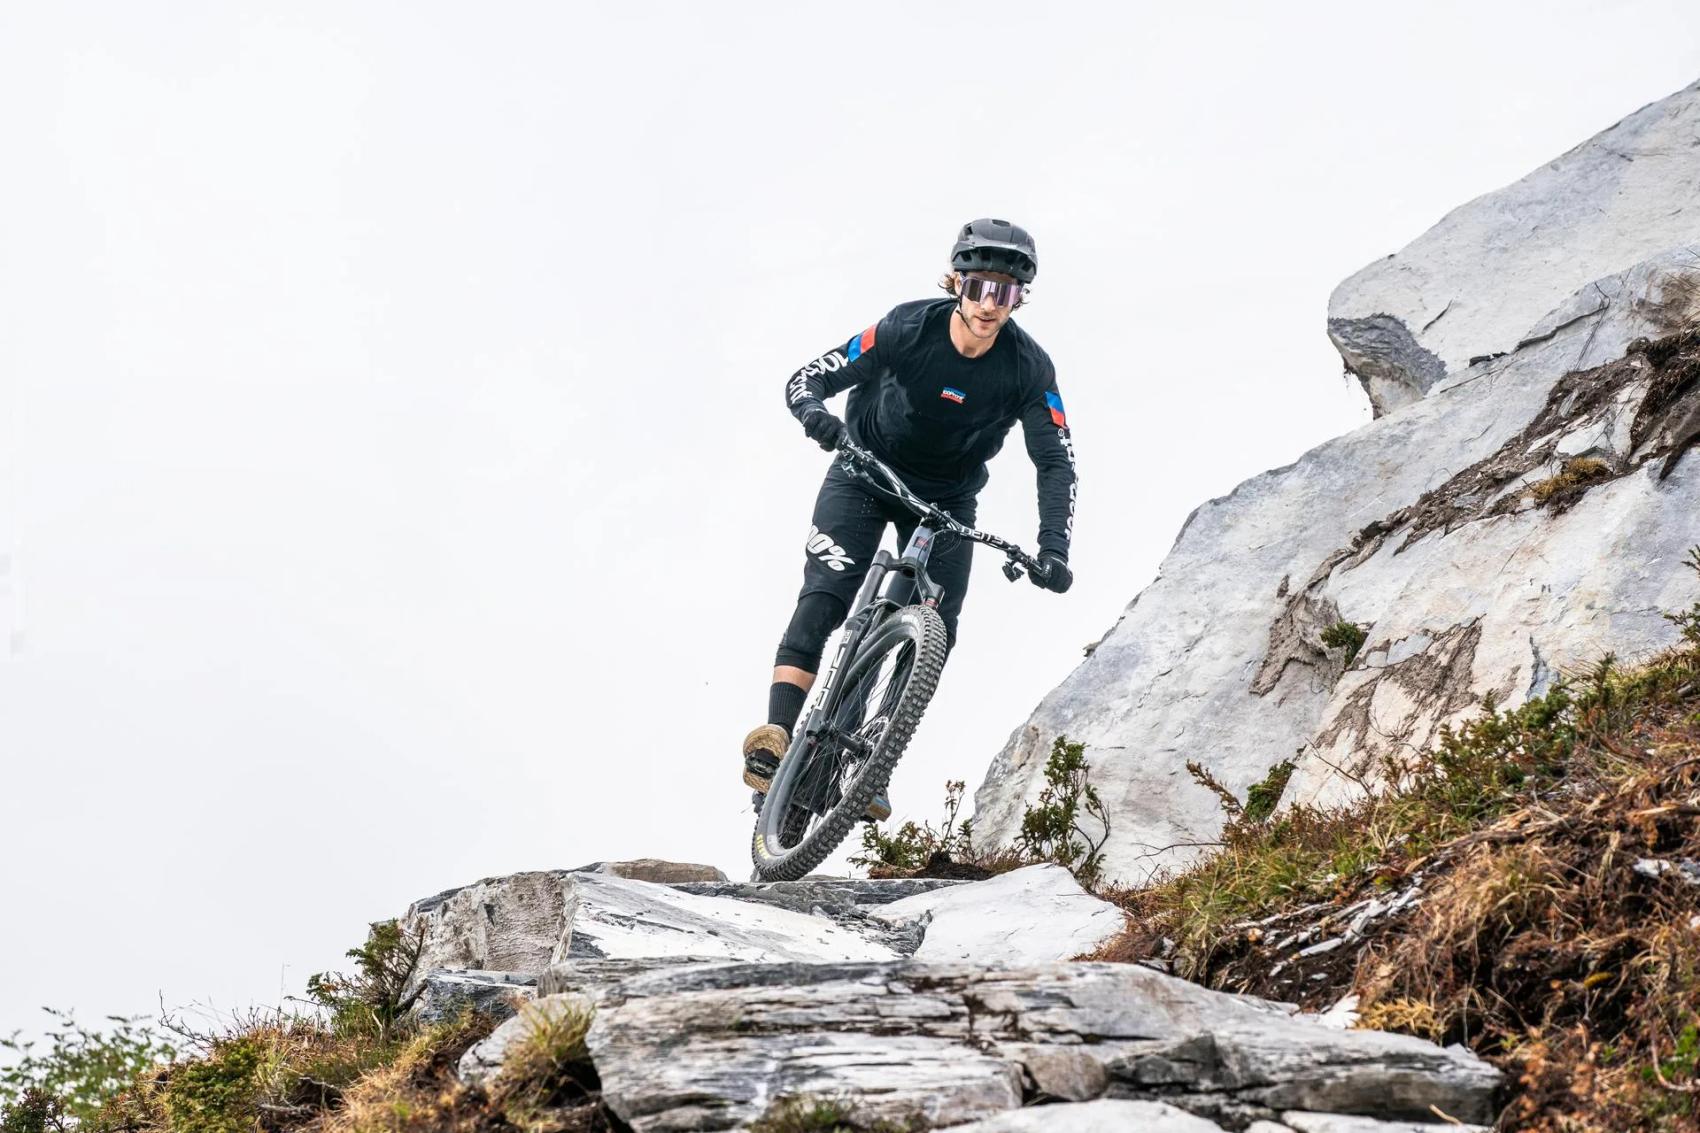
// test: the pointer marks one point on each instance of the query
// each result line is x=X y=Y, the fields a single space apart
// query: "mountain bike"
x=866 y=707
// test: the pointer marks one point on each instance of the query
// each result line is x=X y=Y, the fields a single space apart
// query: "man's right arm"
x=837 y=370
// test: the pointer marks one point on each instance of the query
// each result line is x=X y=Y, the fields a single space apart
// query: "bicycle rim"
x=823 y=788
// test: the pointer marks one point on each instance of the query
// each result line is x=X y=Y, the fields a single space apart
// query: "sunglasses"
x=976 y=290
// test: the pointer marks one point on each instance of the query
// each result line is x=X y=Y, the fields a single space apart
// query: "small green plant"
x=1261 y=797
x=826 y=1115
x=913 y=847
x=1068 y=824
x=74 y=1070
x=1344 y=635
x=550 y=1065
x=378 y=995
x=1680 y=1063
x=1688 y=621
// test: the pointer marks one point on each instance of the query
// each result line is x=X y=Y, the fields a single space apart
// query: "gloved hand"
x=1056 y=577
x=823 y=428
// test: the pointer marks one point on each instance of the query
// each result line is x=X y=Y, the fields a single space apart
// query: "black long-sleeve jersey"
x=937 y=417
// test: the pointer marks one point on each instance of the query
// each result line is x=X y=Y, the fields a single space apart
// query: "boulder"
x=1475 y=284
x=1420 y=530
x=656 y=870
x=717 y=1047
x=509 y=924
x=528 y=921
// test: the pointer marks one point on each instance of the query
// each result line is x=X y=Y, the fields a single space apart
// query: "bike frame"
x=905 y=582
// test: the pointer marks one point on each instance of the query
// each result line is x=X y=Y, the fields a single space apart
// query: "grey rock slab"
x=1030 y=915
x=484 y=1059
x=589 y=976
x=528 y=921
x=1102 y=1116
x=446 y=993
x=1479 y=281
x=713 y=1047
x=832 y=895
x=1220 y=659
x=1311 y=1067
x=615 y=918
x=1345 y=1123
x=656 y=870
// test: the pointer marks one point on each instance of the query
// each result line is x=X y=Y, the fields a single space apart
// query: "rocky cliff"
x=1475 y=284
x=1519 y=508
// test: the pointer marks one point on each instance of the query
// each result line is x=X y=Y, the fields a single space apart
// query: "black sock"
x=785 y=704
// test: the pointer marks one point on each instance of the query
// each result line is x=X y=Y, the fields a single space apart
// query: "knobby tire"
x=777 y=827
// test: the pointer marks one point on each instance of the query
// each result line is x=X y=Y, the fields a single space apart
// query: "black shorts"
x=849 y=519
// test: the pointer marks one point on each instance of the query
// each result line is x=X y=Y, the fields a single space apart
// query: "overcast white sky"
x=395 y=487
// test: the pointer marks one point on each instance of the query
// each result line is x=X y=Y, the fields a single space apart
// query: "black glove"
x=823 y=428
x=1056 y=575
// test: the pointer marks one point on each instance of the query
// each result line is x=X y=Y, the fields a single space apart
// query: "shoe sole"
x=756 y=782
x=879 y=813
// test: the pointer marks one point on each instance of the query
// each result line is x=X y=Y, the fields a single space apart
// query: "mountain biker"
x=934 y=388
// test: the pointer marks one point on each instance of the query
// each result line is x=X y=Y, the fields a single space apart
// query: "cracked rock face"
x=1476 y=283
x=716 y=1047
x=1529 y=515
x=478 y=937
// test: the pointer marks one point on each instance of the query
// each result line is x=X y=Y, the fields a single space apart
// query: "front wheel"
x=825 y=782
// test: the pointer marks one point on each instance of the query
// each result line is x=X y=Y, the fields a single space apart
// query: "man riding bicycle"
x=934 y=388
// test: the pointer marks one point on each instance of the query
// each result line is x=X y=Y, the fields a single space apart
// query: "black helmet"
x=995 y=245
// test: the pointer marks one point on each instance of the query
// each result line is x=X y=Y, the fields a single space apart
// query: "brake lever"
x=1010 y=570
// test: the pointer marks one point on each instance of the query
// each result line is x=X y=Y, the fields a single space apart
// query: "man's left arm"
x=1045 y=427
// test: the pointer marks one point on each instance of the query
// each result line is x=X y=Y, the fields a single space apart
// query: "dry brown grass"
x=1556 y=849
x=1559 y=492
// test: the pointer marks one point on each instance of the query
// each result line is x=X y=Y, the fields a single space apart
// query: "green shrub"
x=76 y=1072
x=1345 y=635
x=220 y=1093
x=913 y=847
x=1261 y=797
x=35 y=1111
x=1068 y=824
x=378 y=995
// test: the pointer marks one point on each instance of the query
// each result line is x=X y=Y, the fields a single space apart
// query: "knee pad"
x=816 y=616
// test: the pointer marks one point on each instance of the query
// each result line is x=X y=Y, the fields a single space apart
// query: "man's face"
x=984 y=316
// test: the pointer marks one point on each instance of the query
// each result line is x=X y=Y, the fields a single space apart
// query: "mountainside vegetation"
x=1528 y=886
x=1548 y=861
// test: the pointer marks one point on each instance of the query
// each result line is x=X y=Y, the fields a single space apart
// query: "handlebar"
x=935 y=516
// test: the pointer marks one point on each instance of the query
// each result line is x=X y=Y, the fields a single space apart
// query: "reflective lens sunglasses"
x=975 y=290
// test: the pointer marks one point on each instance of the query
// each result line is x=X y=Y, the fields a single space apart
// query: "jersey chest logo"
x=955 y=395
